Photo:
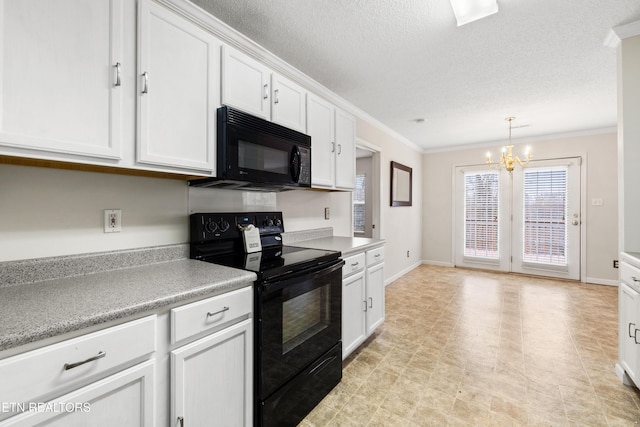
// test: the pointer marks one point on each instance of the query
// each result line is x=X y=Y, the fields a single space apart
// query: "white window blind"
x=481 y=204
x=545 y=214
x=359 y=204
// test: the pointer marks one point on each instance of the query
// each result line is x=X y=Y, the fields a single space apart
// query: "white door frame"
x=583 y=209
x=377 y=186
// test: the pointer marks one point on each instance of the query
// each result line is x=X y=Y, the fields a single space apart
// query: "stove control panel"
x=227 y=225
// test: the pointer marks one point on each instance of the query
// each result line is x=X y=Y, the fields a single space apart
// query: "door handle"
x=575 y=222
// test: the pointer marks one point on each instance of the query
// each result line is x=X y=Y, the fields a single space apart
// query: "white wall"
x=49 y=212
x=401 y=227
x=600 y=160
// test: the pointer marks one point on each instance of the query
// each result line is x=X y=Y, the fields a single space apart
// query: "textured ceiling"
x=542 y=61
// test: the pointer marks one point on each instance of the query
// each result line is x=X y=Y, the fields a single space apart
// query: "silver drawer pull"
x=377 y=255
x=635 y=336
x=209 y=314
x=354 y=264
x=635 y=279
x=68 y=366
x=370 y=302
x=631 y=326
x=145 y=87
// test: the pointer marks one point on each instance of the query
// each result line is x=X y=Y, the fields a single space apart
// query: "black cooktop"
x=276 y=261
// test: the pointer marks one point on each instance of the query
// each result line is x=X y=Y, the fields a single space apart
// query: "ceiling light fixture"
x=471 y=10
x=507 y=159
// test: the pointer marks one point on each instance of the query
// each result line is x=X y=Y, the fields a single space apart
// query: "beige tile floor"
x=462 y=347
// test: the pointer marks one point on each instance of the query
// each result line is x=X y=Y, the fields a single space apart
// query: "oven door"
x=299 y=319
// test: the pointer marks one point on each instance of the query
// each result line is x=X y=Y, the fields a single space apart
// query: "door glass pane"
x=359 y=204
x=481 y=201
x=545 y=214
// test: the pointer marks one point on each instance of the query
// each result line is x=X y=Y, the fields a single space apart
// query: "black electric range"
x=297 y=311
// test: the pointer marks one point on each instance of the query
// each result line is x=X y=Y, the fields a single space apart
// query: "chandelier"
x=507 y=159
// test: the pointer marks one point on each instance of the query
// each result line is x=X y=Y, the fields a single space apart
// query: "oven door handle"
x=282 y=281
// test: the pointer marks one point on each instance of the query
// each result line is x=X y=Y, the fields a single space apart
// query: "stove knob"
x=210 y=227
x=268 y=222
x=278 y=222
x=223 y=225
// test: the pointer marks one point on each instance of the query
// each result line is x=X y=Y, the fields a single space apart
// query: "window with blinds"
x=358 y=204
x=545 y=214
x=481 y=203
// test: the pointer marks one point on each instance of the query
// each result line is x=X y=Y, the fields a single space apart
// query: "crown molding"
x=524 y=140
x=621 y=32
x=233 y=38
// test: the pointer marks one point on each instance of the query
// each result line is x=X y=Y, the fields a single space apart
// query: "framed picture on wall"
x=401 y=184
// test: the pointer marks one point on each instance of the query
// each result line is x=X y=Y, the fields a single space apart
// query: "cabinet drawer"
x=210 y=313
x=29 y=376
x=353 y=264
x=375 y=256
x=630 y=275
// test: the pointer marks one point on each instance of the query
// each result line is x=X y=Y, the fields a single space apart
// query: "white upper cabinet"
x=332 y=134
x=345 y=151
x=60 y=77
x=245 y=83
x=288 y=103
x=178 y=90
x=252 y=87
x=321 y=128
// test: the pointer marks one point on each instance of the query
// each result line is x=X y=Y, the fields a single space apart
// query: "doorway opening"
x=366 y=196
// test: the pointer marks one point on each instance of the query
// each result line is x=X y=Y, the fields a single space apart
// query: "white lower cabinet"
x=362 y=298
x=212 y=379
x=85 y=380
x=191 y=365
x=629 y=324
x=123 y=399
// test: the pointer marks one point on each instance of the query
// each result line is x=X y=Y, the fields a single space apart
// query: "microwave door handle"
x=296 y=165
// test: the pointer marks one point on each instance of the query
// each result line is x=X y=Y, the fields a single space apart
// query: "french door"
x=525 y=222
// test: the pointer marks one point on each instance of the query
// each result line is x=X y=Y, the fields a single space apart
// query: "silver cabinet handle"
x=365 y=305
x=209 y=314
x=266 y=91
x=635 y=279
x=370 y=302
x=275 y=96
x=629 y=329
x=339 y=148
x=100 y=355
x=354 y=265
x=145 y=87
x=117 y=67
x=376 y=256
x=333 y=147
x=181 y=421
x=635 y=336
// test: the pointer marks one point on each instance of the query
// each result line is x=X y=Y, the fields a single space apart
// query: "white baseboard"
x=401 y=273
x=437 y=263
x=597 y=281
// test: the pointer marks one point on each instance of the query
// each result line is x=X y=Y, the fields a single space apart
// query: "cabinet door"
x=629 y=306
x=288 y=103
x=124 y=399
x=345 y=151
x=353 y=315
x=212 y=379
x=375 y=297
x=59 y=88
x=320 y=126
x=177 y=90
x=245 y=83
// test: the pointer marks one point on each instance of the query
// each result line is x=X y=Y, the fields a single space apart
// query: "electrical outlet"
x=112 y=220
x=327 y=213
x=615 y=263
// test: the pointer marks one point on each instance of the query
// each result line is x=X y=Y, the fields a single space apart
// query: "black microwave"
x=253 y=153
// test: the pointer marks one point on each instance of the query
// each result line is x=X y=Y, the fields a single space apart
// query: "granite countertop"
x=347 y=245
x=48 y=308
